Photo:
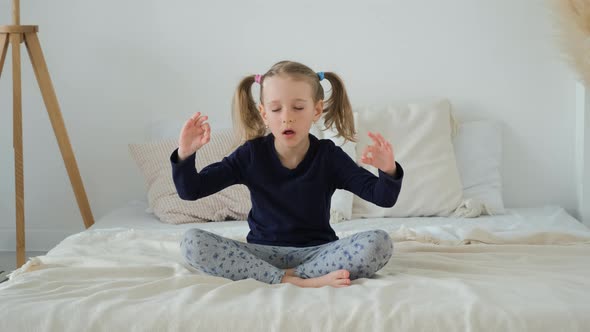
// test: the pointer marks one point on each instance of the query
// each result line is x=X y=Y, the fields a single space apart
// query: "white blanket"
x=120 y=278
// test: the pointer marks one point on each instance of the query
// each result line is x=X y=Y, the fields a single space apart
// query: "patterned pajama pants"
x=362 y=254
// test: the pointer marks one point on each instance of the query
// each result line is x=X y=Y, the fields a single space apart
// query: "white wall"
x=119 y=65
x=583 y=152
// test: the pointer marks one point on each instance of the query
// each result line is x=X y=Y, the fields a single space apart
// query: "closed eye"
x=297 y=108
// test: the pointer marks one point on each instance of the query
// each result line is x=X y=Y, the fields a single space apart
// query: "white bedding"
x=528 y=270
x=542 y=225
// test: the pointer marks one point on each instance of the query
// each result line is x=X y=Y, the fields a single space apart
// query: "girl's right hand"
x=194 y=134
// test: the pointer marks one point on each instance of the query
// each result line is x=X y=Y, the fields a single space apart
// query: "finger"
x=206 y=138
x=367 y=160
x=201 y=130
x=382 y=139
x=195 y=116
x=389 y=146
x=188 y=125
x=206 y=128
x=200 y=120
x=207 y=131
x=374 y=138
x=386 y=146
x=197 y=122
x=365 y=157
x=372 y=148
x=366 y=151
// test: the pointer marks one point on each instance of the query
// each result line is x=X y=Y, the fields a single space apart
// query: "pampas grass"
x=573 y=19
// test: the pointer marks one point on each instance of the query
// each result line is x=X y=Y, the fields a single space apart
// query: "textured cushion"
x=153 y=160
x=233 y=202
x=421 y=136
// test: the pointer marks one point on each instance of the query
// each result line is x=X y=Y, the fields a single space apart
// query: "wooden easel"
x=16 y=34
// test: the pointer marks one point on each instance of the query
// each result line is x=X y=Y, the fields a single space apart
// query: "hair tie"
x=320 y=75
x=258 y=78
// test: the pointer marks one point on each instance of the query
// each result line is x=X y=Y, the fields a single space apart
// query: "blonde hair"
x=248 y=123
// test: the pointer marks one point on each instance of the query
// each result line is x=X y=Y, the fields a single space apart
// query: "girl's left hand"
x=381 y=154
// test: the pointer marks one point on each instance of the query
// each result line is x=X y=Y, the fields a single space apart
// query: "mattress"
x=526 y=270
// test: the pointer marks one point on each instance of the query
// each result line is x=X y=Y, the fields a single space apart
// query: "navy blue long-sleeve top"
x=290 y=207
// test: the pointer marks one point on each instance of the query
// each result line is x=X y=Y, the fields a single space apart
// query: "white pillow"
x=421 y=136
x=478 y=149
x=341 y=203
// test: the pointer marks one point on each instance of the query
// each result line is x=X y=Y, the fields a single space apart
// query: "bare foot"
x=339 y=278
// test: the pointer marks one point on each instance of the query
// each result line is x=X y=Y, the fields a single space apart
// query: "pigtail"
x=247 y=122
x=337 y=109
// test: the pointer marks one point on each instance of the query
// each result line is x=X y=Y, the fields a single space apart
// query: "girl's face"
x=288 y=109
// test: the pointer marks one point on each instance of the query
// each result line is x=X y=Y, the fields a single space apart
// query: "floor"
x=8 y=261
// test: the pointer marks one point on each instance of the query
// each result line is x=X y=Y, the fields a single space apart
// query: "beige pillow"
x=153 y=160
x=421 y=135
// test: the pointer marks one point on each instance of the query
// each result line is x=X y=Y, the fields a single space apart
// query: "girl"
x=291 y=176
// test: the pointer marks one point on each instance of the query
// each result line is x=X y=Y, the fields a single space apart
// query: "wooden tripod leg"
x=3 y=49
x=52 y=105
x=18 y=149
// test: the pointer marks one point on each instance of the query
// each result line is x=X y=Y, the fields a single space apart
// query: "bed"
x=526 y=270
x=483 y=267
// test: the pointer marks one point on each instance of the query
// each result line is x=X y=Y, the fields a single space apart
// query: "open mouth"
x=288 y=132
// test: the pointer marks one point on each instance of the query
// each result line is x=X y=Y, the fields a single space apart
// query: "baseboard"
x=36 y=239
